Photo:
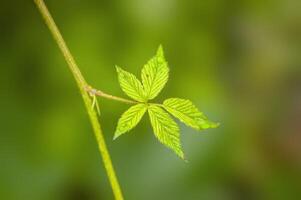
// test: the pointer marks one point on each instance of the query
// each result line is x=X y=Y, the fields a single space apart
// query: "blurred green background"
x=239 y=61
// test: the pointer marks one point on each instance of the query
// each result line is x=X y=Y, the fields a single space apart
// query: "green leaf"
x=129 y=119
x=130 y=85
x=155 y=75
x=188 y=113
x=165 y=129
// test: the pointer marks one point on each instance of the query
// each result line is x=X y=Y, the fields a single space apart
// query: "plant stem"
x=92 y=91
x=81 y=82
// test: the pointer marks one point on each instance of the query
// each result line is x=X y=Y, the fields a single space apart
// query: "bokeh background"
x=239 y=61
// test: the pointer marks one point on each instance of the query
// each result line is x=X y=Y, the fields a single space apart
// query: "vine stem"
x=82 y=85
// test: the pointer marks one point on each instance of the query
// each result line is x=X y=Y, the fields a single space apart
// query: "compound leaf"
x=129 y=119
x=155 y=75
x=188 y=113
x=165 y=129
x=130 y=85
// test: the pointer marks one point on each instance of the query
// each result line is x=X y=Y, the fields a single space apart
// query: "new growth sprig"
x=154 y=76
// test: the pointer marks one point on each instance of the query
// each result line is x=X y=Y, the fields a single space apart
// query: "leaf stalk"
x=92 y=91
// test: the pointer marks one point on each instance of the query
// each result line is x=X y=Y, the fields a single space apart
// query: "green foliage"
x=188 y=113
x=130 y=85
x=154 y=77
x=130 y=118
x=165 y=129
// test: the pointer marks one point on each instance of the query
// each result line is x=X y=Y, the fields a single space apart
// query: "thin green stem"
x=92 y=91
x=81 y=82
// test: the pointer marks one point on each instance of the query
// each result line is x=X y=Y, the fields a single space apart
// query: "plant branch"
x=92 y=91
x=81 y=82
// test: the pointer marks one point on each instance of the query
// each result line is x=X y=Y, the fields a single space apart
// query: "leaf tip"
x=215 y=124
x=212 y=124
x=181 y=155
x=116 y=135
x=160 y=51
x=118 y=69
